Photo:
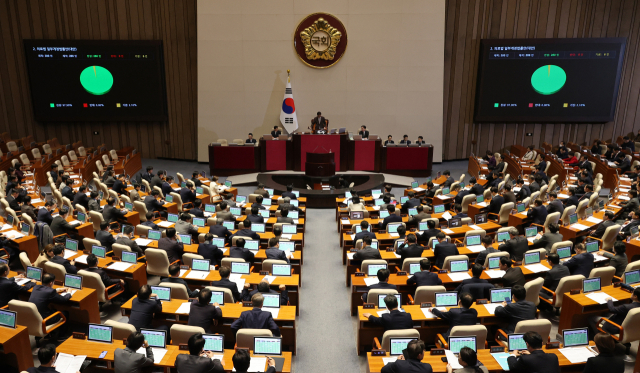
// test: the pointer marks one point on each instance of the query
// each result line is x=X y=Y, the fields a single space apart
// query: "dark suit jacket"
x=203 y=316
x=167 y=189
x=547 y=240
x=120 y=187
x=411 y=202
x=28 y=210
x=477 y=189
x=255 y=218
x=142 y=312
x=619 y=313
x=427 y=234
x=155 y=181
x=604 y=362
x=364 y=234
x=516 y=247
x=173 y=248
x=555 y=206
x=513 y=276
x=9 y=290
x=424 y=278
x=538 y=214
x=147 y=176
x=367 y=253
x=42 y=296
x=365 y=134
x=496 y=202
x=112 y=214
x=599 y=232
x=580 y=264
x=515 y=312
x=482 y=256
x=247 y=233
x=241 y=252
x=211 y=252
x=106 y=280
x=276 y=133
x=457 y=316
x=65 y=263
x=226 y=283
x=151 y=225
x=106 y=239
x=284 y=295
x=187 y=195
x=390 y=219
x=282 y=219
x=393 y=320
x=572 y=201
x=186 y=363
x=81 y=199
x=472 y=280
x=152 y=204
x=291 y=195
x=60 y=226
x=553 y=277
x=256 y=319
x=509 y=197
x=537 y=362
x=380 y=285
x=407 y=366
x=275 y=253
x=411 y=251
x=250 y=141
x=196 y=212
x=220 y=231
x=443 y=250
x=67 y=191
x=619 y=262
x=626 y=231
x=523 y=193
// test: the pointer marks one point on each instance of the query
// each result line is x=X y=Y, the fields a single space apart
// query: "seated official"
x=393 y=320
x=581 y=263
x=66 y=189
x=367 y=252
x=363 y=132
x=387 y=192
x=104 y=236
x=533 y=359
x=617 y=259
x=92 y=263
x=554 y=275
x=60 y=225
x=171 y=245
x=43 y=296
x=157 y=180
x=152 y=203
x=431 y=231
x=487 y=242
x=513 y=275
x=405 y=140
x=356 y=205
x=58 y=258
x=386 y=202
x=443 y=249
x=607 y=221
x=468 y=359
x=632 y=222
x=188 y=193
x=246 y=231
x=184 y=226
x=174 y=278
x=149 y=223
x=424 y=277
x=143 y=309
x=413 y=361
x=263 y=288
x=256 y=318
x=195 y=179
x=197 y=209
x=210 y=251
x=202 y=312
x=287 y=205
x=476 y=272
x=411 y=202
x=319 y=123
x=547 y=239
x=524 y=191
x=134 y=194
x=148 y=175
x=224 y=282
x=239 y=251
x=392 y=218
x=198 y=360
x=283 y=218
x=128 y=360
x=9 y=289
x=496 y=202
x=410 y=248
x=255 y=217
x=120 y=185
x=450 y=180
x=274 y=252
x=220 y=230
x=383 y=278
x=616 y=314
x=289 y=193
x=464 y=315
x=518 y=310
x=111 y=213
x=47 y=358
x=555 y=205
x=242 y=361
x=417 y=218
x=389 y=140
x=45 y=255
x=364 y=232
x=81 y=197
x=516 y=246
x=607 y=360
x=457 y=210
x=276 y=132
x=28 y=209
x=258 y=203
x=261 y=191
x=126 y=238
x=538 y=213
x=572 y=200
x=166 y=187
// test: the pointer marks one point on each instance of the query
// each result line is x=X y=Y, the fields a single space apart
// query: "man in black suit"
x=588 y=192
x=518 y=310
x=258 y=202
x=487 y=242
x=143 y=309
x=367 y=252
x=516 y=246
x=548 y=239
x=393 y=320
x=263 y=288
x=81 y=197
x=476 y=272
x=633 y=221
x=405 y=140
x=44 y=214
x=424 y=277
x=538 y=213
x=44 y=295
x=283 y=218
x=9 y=289
x=197 y=210
x=120 y=186
x=555 y=205
x=465 y=315
x=188 y=193
x=250 y=139
x=246 y=231
x=508 y=195
x=255 y=217
x=461 y=194
x=274 y=252
x=392 y=218
x=542 y=165
x=410 y=248
x=524 y=191
x=411 y=202
x=58 y=258
x=59 y=224
x=202 y=312
x=581 y=263
x=430 y=232
x=584 y=163
x=67 y=189
x=449 y=180
x=92 y=263
x=220 y=230
x=476 y=188
x=632 y=204
x=533 y=359
x=363 y=132
x=573 y=199
x=12 y=199
x=194 y=179
x=364 y=232
x=319 y=122
x=104 y=236
x=239 y=251
x=152 y=203
x=555 y=274
x=496 y=201
x=443 y=249
x=256 y=318
x=174 y=278
x=111 y=213
x=289 y=193
x=210 y=251
x=412 y=363
x=276 y=132
x=171 y=245
x=607 y=221
x=617 y=314
x=166 y=187
x=224 y=282
x=383 y=278
x=198 y=360
x=417 y=218
x=149 y=223
x=157 y=180
x=148 y=175
x=389 y=140
x=54 y=172
x=513 y=275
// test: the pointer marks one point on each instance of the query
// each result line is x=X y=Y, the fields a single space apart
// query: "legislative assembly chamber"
x=400 y=186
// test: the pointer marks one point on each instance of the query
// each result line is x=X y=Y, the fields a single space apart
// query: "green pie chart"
x=96 y=80
x=548 y=79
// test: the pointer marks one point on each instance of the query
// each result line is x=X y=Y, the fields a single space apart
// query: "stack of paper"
x=120 y=266
x=387 y=360
x=598 y=257
x=452 y=359
x=475 y=248
x=14 y=235
x=69 y=253
x=239 y=283
x=70 y=291
x=577 y=354
x=600 y=297
x=377 y=208
x=491 y=307
x=494 y=273
x=36 y=200
x=535 y=268
x=481 y=204
x=624 y=198
x=531 y=239
x=257 y=364
x=448 y=231
x=579 y=226
x=593 y=219
x=286 y=236
x=395 y=235
x=182 y=272
x=274 y=311
x=418 y=189
x=21 y=281
x=446 y=215
x=200 y=275
x=441 y=196
x=66 y=363
x=6 y=226
x=561 y=195
x=74 y=222
x=184 y=308
x=429 y=315
x=158 y=354
x=143 y=241
x=165 y=224
x=371 y=281
x=473 y=226
x=268 y=278
x=81 y=259
x=350 y=255
x=459 y=276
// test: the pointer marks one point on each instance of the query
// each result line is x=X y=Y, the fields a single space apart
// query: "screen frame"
x=266 y=354
x=164 y=340
x=102 y=326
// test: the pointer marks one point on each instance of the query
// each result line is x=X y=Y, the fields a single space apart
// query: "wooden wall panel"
x=468 y=21
x=173 y=22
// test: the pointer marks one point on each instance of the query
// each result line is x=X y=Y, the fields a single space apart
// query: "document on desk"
x=531 y=239
x=143 y=241
x=624 y=198
x=257 y=364
x=371 y=281
x=70 y=291
x=448 y=231
x=481 y=204
x=21 y=281
x=501 y=358
x=459 y=276
x=577 y=354
x=475 y=248
x=120 y=266
x=274 y=311
x=418 y=189
x=184 y=308
x=286 y=236
x=562 y=195
x=200 y=275
x=268 y=278
x=615 y=207
x=429 y=315
x=81 y=259
x=350 y=255
x=387 y=360
x=491 y=307
x=14 y=235
x=475 y=227
x=441 y=196
x=600 y=297
x=624 y=190
x=377 y=208
x=446 y=215
x=66 y=363
x=494 y=273
x=158 y=353
x=296 y=221
x=593 y=219
x=239 y=283
x=75 y=222
x=36 y=200
x=579 y=226
x=536 y=268
x=452 y=359
x=182 y=272
x=69 y=253
x=599 y=258
x=394 y=235
x=165 y=224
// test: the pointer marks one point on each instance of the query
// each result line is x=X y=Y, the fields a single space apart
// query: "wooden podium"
x=320 y=164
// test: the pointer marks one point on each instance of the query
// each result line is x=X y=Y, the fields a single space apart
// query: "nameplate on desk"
x=390 y=248
x=443 y=271
x=183 y=347
x=376 y=352
x=497 y=349
x=115 y=258
x=353 y=251
x=401 y=273
x=77 y=335
x=264 y=273
x=368 y=306
x=482 y=301
x=551 y=345
x=575 y=291
x=247 y=303
x=184 y=267
x=359 y=274
x=617 y=284
x=426 y=305
x=437 y=351
x=518 y=263
x=459 y=244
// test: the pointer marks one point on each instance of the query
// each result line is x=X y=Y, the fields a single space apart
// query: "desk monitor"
x=70 y=244
x=295 y=202
x=591 y=284
x=73 y=281
x=168 y=198
x=479 y=199
x=516 y=342
x=376 y=191
x=457 y=343
x=210 y=208
x=494 y=262
x=412 y=211
x=218 y=242
x=414 y=267
x=423 y=226
x=356 y=215
x=383 y=305
x=228 y=183
x=531 y=231
x=588 y=212
x=404 y=199
x=591 y=246
x=481 y=218
x=199 y=222
x=448 y=299
x=100 y=333
x=128 y=206
x=288 y=246
x=185 y=239
x=573 y=218
x=10 y=219
x=200 y=265
x=235 y=211
x=373 y=269
x=520 y=207
x=271 y=300
x=633 y=231
x=173 y=218
x=293 y=214
x=632 y=277
x=575 y=337
x=289 y=229
x=414 y=184
x=100 y=195
x=241 y=199
x=459 y=265
x=378 y=202
x=257 y=227
x=384 y=214
x=240 y=267
x=163 y=293
x=393 y=227
x=230 y=225
x=155 y=338
x=252 y=245
x=154 y=235
x=281 y=269
x=348 y=195
x=99 y=251
x=129 y=257
x=8 y=318
x=473 y=240
x=183 y=184
x=564 y=252
x=398 y=345
x=532 y=258
x=438 y=209
x=455 y=222
x=82 y=217
x=264 y=213
x=34 y=273
x=24 y=228
x=270 y=191
x=374 y=244
x=217 y=297
x=267 y=346
x=358 y=229
x=500 y=295
x=297 y=193
x=213 y=342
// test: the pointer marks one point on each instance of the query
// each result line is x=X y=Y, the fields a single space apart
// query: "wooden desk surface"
x=253 y=278
x=416 y=312
x=578 y=308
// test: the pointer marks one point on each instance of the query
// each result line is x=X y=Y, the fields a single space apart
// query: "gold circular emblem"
x=320 y=40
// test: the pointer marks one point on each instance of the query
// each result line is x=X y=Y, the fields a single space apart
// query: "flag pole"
x=288 y=77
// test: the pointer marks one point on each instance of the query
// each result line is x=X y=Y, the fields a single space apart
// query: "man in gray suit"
x=607 y=221
x=417 y=218
x=125 y=239
x=224 y=214
x=93 y=202
x=127 y=360
x=283 y=218
x=548 y=239
x=516 y=246
x=367 y=252
x=184 y=226
x=198 y=360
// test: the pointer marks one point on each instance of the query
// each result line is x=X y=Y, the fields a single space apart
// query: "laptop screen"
x=473 y=240
x=480 y=199
x=229 y=225
x=575 y=337
x=128 y=206
x=573 y=218
x=82 y=217
x=591 y=284
x=423 y=226
x=445 y=191
x=438 y=209
x=213 y=342
x=384 y=214
x=198 y=222
x=412 y=211
x=129 y=256
x=252 y=245
x=404 y=199
x=393 y=228
x=154 y=235
x=8 y=318
x=185 y=239
x=494 y=262
x=99 y=251
x=289 y=228
x=294 y=202
x=289 y=246
x=281 y=270
x=271 y=300
x=267 y=345
x=183 y=184
x=531 y=258
x=10 y=219
x=218 y=242
x=163 y=293
x=457 y=343
x=168 y=198
x=376 y=191
x=591 y=246
x=200 y=264
x=564 y=252
x=398 y=345
x=374 y=268
x=241 y=199
x=73 y=281
x=500 y=295
x=632 y=277
x=228 y=183
x=199 y=190
x=210 y=208
x=293 y=214
x=520 y=207
x=264 y=213
x=173 y=218
x=296 y=192
x=448 y=299
x=459 y=265
x=378 y=202
x=34 y=273
x=240 y=267
x=414 y=184
x=531 y=231
x=383 y=305
x=155 y=338
x=414 y=267
x=100 y=333
x=257 y=227
x=348 y=195
x=270 y=191
x=516 y=342
x=235 y=211
x=24 y=228
x=70 y=244
x=217 y=297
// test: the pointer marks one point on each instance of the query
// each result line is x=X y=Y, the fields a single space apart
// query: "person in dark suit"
x=443 y=249
x=417 y=218
x=487 y=242
x=242 y=360
x=224 y=213
x=410 y=248
x=58 y=258
x=94 y=202
x=289 y=193
x=533 y=359
x=633 y=221
x=430 y=232
x=606 y=361
x=283 y=218
x=220 y=230
x=364 y=232
x=111 y=213
x=547 y=239
x=197 y=210
x=201 y=312
x=383 y=278
x=148 y=175
x=389 y=140
x=632 y=204
x=405 y=140
x=46 y=355
x=513 y=275
x=411 y=202
x=538 y=213
x=184 y=227
x=59 y=224
x=508 y=195
x=9 y=289
x=465 y=315
x=555 y=274
x=617 y=314
x=157 y=180
x=412 y=362
x=92 y=263
x=258 y=203
x=424 y=277
x=28 y=209
x=81 y=197
x=476 y=272
x=239 y=251
x=104 y=236
x=518 y=310
x=393 y=320
x=149 y=223
x=476 y=188
x=276 y=132
x=256 y=318
x=623 y=164
x=318 y=123
x=555 y=205
x=607 y=221
x=524 y=191
x=363 y=132
x=516 y=246
x=120 y=186
x=246 y=231
x=44 y=295
x=273 y=252
x=392 y=218
x=188 y=193
x=263 y=288
x=261 y=191
x=581 y=263
x=174 y=278
x=224 y=282
x=250 y=139
x=447 y=183
x=255 y=217
x=67 y=189
x=496 y=201
x=166 y=187
x=54 y=172
x=572 y=200
x=198 y=360
x=367 y=252
x=171 y=245
x=618 y=259
x=210 y=251
x=195 y=180
x=143 y=308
